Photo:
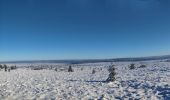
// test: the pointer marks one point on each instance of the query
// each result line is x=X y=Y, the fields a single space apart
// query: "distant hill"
x=94 y=60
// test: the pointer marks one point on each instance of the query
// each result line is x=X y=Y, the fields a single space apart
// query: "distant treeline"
x=94 y=60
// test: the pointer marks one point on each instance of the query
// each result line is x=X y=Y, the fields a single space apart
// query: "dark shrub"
x=132 y=66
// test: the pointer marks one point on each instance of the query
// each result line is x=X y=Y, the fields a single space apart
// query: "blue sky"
x=83 y=29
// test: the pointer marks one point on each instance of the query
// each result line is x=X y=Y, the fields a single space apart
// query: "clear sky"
x=83 y=29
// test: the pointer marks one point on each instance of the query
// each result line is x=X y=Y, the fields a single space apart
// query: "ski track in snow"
x=150 y=83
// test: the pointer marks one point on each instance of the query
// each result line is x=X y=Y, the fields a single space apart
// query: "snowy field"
x=49 y=83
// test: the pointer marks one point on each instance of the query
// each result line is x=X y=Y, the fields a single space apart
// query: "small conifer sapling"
x=112 y=74
x=70 y=69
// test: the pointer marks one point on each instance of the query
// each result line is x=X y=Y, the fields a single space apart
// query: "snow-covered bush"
x=37 y=68
x=1 y=67
x=167 y=60
x=101 y=69
x=93 y=71
x=142 y=66
x=132 y=66
x=62 y=69
x=51 y=67
x=5 y=67
x=112 y=74
x=70 y=69
x=13 y=67
x=56 y=69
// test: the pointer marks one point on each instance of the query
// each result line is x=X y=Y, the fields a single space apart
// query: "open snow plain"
x=54 y=82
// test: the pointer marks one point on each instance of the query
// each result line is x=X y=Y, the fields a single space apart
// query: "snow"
x=150 y=83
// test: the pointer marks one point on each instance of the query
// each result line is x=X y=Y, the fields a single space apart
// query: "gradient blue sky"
x=83 y=29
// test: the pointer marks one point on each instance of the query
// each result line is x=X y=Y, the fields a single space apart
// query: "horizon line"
x=84 y=59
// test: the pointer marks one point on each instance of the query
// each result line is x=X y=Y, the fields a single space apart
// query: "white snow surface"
x=24 y=83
